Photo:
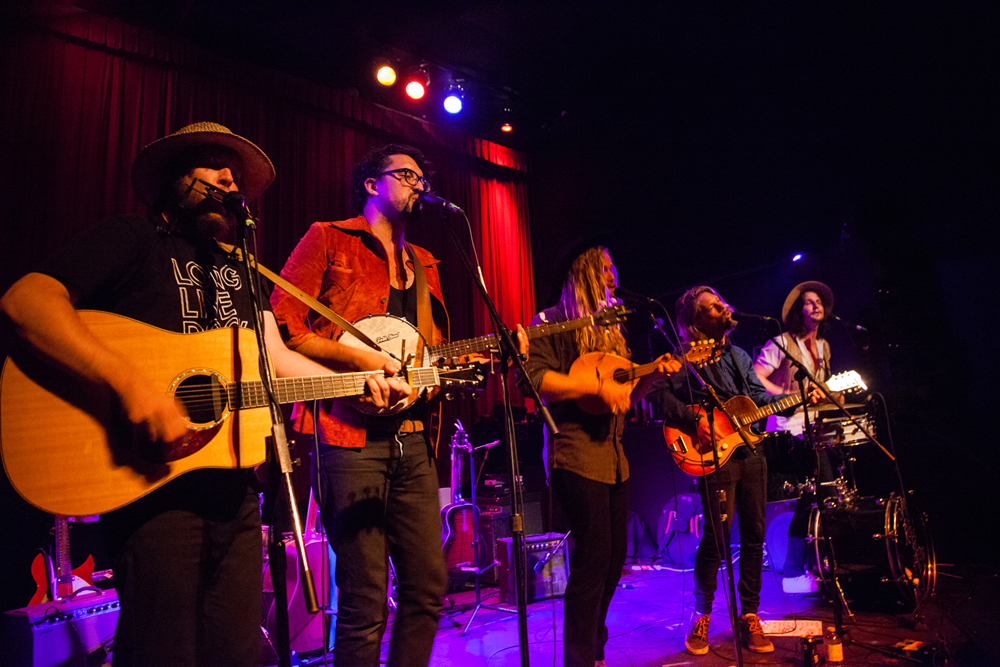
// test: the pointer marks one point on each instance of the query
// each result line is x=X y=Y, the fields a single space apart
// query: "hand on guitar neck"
x=384 y=389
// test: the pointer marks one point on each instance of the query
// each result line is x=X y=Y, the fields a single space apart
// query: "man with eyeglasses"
x=378 y=487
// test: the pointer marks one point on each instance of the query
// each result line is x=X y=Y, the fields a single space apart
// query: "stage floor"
x=651 y=612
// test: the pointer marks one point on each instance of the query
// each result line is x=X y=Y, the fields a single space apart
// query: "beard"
x=412 y=212
x=206 y=221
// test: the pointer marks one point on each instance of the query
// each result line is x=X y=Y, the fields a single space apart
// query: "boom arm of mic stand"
x=508 y=351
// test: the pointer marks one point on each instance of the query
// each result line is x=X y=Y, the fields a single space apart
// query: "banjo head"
x=400 y=339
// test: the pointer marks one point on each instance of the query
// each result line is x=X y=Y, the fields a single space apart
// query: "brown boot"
x=754 y=635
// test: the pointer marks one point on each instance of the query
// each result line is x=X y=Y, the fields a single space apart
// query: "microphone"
x=434 y=199
x=236 y=204
x=738 y=315
x=849 y=325
x=624 y=294
x=540 y=565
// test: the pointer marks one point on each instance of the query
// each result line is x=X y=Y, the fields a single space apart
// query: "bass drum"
x=880 y=551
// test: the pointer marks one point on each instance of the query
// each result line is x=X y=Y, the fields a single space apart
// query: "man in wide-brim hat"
x=186 y=554
x=805 y=313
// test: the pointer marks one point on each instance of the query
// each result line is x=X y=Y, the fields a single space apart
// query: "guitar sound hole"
x=204 y=398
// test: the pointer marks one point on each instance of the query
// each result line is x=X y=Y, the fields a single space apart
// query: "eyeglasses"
x=409 y=177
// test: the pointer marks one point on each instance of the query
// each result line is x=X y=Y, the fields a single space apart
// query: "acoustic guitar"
x=732 y=427
x=305 y=631
x=68 y=448
x=460 y=518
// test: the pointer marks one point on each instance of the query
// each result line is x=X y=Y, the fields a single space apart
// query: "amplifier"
x=67 y=632
x=492 y=527
x=533 y=523
x=550 y=579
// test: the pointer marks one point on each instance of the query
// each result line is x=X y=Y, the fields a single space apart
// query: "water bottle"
x=834 y=647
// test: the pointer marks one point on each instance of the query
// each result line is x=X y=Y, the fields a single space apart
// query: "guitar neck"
x=64 y=567
x=623 y=375
x=483 y=343
x=840 y=382
x=751 y=416
x=246 y=395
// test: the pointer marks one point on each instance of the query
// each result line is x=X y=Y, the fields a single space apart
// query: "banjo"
x=404 y=342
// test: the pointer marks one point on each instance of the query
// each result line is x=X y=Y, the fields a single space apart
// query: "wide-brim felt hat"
x=150 y=167
x=825 y=293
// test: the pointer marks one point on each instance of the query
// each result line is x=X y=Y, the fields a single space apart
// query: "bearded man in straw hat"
x=805 y=314
x=187 y=556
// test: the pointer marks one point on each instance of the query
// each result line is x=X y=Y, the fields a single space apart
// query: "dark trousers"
x=380 y=501
x=798 y=528
x=189 y=579
x=744 y=479
x=597 y=515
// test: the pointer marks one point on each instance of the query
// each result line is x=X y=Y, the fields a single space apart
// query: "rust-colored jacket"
x=342 y=265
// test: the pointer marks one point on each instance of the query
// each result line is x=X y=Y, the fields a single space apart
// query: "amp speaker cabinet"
x=548 y=582
x=69 y=632
x=533 y=520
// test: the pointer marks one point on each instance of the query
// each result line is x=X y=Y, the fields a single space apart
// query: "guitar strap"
x=310 y=301
x=425 y=317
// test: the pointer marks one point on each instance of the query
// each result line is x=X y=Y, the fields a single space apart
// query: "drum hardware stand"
x=477 y=569
x=509 y=355
x=840 y=602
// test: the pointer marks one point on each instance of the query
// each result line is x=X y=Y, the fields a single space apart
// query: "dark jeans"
x=744 y=479
x=379 y=501
x=597 y=515
x=188 y=573
x=798 y=528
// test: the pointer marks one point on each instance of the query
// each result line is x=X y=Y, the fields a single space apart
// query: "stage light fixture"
x=797 y=257
x=385 y=75
x=417 y=83
x=505 y=122
x=453 y=100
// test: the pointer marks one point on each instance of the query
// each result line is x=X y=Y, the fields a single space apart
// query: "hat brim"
x=825 y=293
x=149 y=168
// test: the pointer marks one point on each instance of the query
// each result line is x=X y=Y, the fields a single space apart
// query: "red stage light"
x=415 y=90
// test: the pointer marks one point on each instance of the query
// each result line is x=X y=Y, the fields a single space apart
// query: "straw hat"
x=150 y=167
x=825 y=293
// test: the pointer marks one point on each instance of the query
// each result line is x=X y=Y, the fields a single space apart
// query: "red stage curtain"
x=83 y=93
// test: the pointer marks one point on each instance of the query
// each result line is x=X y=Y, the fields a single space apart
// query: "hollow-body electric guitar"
x=68 y=448
x=695 y=457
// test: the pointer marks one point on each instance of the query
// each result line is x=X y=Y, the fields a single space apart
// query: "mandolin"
x=613 y=368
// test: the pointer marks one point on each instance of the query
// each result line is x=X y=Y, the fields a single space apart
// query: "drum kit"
x=881 y=547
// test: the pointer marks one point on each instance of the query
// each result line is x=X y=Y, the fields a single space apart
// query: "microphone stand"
x=717 y=513
x=802 y=373
x=279 y=447
x=508 y=355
